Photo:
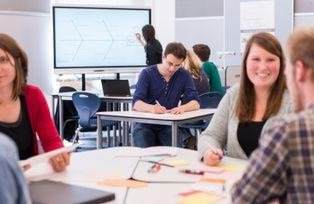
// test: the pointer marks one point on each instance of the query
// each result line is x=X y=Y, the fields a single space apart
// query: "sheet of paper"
x=44 y=158
x=149 y=151
x=123 y=183
x=199 y=198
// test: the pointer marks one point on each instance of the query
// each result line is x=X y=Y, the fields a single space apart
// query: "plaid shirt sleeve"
x=265 y=177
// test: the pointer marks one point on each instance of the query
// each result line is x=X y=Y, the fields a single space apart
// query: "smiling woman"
x=245 y=109
x=24 y=112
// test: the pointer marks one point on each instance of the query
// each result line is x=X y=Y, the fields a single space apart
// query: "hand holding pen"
x=177 y=110
x=213 y=156
x=159 y=109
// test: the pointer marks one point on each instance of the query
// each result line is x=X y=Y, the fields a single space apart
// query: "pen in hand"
x=215 y=152
x=157 y=103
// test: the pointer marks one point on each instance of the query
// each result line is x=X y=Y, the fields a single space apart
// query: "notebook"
x=114 y=87
x=49 y=192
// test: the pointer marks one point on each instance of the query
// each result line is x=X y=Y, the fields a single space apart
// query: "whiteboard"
x=31 y=31
x=98 y=37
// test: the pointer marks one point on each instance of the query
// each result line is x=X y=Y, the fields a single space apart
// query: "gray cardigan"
x=222 y=130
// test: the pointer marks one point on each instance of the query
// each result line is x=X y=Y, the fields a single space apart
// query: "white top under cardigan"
x=222 y=130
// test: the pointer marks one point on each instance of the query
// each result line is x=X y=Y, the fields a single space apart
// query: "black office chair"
x=87 y=104
x=70 y=115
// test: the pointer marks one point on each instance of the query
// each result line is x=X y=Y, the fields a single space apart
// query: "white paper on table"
x=149 y=151
x=44 y=158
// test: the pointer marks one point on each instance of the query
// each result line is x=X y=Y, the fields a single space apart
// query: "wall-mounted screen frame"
x=98 y=39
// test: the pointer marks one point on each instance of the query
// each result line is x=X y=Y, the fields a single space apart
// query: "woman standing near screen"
x=152 y=46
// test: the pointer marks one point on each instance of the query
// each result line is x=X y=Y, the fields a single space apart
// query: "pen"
x=190 y=171
x=215 y=151
x=154 y=162
x=157 y=102
x=179 y=104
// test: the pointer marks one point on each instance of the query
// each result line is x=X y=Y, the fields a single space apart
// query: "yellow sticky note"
x=200 y=198
x=174 y=162
x=232 y=167
x=122 y=183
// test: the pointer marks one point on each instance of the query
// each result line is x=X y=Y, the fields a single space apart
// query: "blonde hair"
x=300 y=46
x=193 y=64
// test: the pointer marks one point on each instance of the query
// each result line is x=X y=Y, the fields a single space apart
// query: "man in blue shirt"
x=13 y=186
x=159 y=89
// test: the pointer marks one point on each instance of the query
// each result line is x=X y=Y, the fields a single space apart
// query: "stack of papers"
x=44 y=158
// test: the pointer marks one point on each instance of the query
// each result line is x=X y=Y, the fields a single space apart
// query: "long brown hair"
x=245 y=106
x=10 y=46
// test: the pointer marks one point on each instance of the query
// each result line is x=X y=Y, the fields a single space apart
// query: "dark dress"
x=153 y=51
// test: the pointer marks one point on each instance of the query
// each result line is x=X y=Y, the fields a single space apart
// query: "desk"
x=68 y=96
x=87 y=168
x=150 y=118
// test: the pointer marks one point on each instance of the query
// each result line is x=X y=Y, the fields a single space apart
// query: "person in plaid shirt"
x=282 y=168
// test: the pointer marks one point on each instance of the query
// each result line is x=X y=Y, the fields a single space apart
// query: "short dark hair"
x=10 y=46
x=148 y=32
x=177 y=49
x=202 y=51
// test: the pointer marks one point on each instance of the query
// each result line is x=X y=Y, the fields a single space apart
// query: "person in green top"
x=203 y=52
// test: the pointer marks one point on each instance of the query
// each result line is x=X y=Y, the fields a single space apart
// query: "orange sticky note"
x=212 y=180
x=122 y=183
x=200 y=198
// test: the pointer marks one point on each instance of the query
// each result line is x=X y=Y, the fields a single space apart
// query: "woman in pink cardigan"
x=24 y=113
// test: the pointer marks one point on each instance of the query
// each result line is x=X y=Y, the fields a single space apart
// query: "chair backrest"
x=232 y=75
x=210 y=99
x=86 y=104
x=68 y=106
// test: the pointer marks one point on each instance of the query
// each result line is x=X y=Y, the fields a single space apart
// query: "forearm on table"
x=190 y=106
x=142 y=106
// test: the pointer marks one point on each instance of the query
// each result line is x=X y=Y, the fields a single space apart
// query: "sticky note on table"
x=122 y=183
x=214 y=170
x=199 y=198
x=174 y=162
x=232 y=167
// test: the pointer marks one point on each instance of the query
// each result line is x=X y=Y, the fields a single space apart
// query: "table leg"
x=60 y=116
x=99 y=133
x=174 y=128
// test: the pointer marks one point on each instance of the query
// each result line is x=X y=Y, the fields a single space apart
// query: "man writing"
x=159 y=90
x=283 y=165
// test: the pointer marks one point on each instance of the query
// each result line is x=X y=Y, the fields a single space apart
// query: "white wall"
x=31 y=31
x=164 y=21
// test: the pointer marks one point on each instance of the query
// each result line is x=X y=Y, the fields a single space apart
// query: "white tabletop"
x=152 y=116
x=88 y=168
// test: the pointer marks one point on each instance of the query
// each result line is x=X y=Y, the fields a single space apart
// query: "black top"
x=21 y=132
x=249 y=134
x=153 y=52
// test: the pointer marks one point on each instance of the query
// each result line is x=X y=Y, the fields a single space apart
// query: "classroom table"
x=124 y=101
x=142 y=117
x=90 y=167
